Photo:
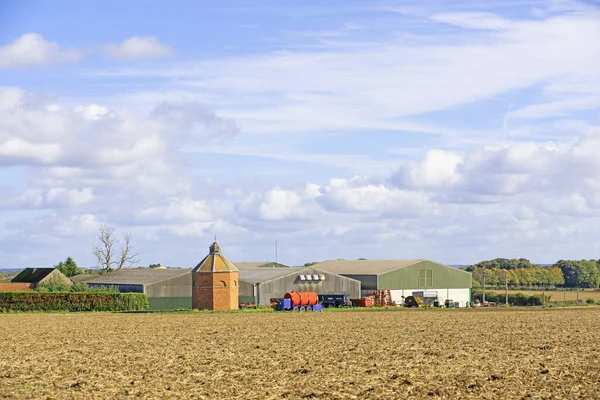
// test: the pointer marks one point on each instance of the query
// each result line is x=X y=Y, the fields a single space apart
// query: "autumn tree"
x=112 y=254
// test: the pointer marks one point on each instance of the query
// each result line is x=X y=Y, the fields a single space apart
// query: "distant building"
x=259 y=285
x=404 y=277
x=36 y=276
x=167 y=289
x=260 y=264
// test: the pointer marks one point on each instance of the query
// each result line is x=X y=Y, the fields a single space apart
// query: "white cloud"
x=69 y=197
x=33 y=49
x=354 y=86
x=474 y=20
x=555 y=177
x=279 y=204
x=438 y=169
x=139 y=48
x=178 y=210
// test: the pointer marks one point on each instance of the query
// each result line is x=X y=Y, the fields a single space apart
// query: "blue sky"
x=454 y=131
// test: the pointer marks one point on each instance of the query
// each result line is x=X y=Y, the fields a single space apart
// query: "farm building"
x=258 y=284
x=171 y=288
x=403 y=277
x=260 y=264
x=167 y=288
x=36 y=276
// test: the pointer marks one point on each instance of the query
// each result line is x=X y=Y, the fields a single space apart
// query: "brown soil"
x=483 y=353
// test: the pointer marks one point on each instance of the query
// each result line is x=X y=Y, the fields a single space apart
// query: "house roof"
x=137 y=276
x=364 y=267
x=32 y=275
x=260 y=264
x=215 y=261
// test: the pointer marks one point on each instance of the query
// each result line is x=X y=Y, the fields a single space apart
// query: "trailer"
x=335 y=300
x=299 y=301
x=288 y=305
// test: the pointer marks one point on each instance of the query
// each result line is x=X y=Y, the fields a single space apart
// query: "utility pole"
x=506 y=286
x=483 y=297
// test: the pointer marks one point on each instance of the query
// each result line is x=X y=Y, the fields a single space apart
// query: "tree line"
x=521 y=272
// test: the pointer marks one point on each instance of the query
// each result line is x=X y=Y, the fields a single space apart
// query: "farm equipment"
x=335 y=300
x=414 y=301
x=244 y=306
x=429 y=297
x=299 y=301
x=362 y=302
x=383 y=298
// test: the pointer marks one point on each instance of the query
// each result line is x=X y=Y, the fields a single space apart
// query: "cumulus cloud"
x=104 y=164
x=279 y=204
x=93 y=136
x=139 y=48
x=553 y=177
x=33 y=49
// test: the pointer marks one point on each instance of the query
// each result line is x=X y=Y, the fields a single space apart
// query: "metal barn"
x=166 y=288
x=403 y=277
x=259 y=285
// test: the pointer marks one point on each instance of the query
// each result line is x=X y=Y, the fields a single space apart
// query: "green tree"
x=308 y=264
x=503 y=263
x=583 y=273
x=68 y=267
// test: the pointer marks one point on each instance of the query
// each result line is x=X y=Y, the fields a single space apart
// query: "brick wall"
x=215 y=290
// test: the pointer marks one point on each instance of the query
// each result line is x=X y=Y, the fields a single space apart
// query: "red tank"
x=300 y=299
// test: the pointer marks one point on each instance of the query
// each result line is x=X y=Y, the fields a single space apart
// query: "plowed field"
x=495 y=354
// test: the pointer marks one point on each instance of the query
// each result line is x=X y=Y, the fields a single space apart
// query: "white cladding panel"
x=460 y=295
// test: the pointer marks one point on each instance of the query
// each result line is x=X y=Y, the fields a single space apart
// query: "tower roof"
x=215 y=261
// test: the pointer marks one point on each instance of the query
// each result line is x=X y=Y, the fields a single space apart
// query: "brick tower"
x=215 y=282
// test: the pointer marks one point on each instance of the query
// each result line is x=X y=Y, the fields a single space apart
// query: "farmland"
x=478 y=353
x=557 y=295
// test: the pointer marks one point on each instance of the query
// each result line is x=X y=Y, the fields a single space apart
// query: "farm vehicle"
x=299 y=301
x=335 y=300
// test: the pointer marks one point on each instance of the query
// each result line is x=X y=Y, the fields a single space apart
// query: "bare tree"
x=106 y=252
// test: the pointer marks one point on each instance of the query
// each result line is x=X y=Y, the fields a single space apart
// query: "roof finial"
x=214 y=248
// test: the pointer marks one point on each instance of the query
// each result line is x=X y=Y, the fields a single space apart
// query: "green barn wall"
x=170 y=303
x=408 y=278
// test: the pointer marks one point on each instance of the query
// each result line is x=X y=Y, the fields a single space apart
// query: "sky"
x=456 y=131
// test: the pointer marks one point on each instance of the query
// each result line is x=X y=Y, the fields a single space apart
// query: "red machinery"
x=383 y=298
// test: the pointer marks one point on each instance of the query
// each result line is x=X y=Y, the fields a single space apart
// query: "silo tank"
x=300 y=299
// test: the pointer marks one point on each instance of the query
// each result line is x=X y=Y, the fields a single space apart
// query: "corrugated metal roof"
x=363 y=267
x=261 y=274
x=83 y=277
x=137 y=276
x=260 y=264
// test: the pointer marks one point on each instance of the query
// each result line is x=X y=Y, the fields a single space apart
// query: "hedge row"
x=31 y=301
x=514 y=299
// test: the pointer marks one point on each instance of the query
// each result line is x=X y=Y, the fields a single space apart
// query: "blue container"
x=317 y=307
x=284 y=304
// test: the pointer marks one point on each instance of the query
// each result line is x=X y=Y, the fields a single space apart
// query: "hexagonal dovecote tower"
x=215 y=282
